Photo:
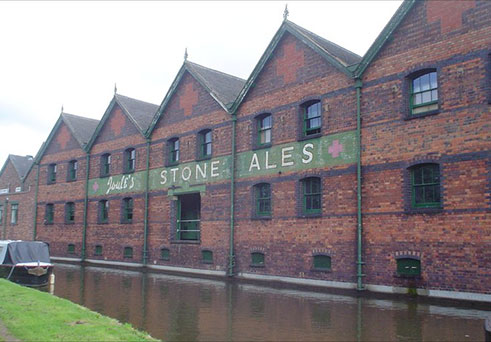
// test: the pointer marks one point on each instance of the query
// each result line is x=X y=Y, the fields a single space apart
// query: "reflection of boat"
x=25 y=262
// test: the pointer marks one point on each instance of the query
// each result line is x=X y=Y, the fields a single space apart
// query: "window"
x=72 y=170
x=262 y=193
x=188 y=217
x=70 y=212
x=264 y=124
x=128 y=252
x=408 y=267
x=165 y=254
x=425 y=186
x=71 y=248
x=129 y=160
x=103 y=211
x=204 y=143
x=322 y=262
x=424 y=93
x=311 y=191
x=257 y=259
x=14 y=213
x=98 y=250
x=207 y=256
x=173 y=147
x=49 y=214
x=127 y=210
x=312 y=120
x=1 y=213
x=51 y=173
x=105 y=165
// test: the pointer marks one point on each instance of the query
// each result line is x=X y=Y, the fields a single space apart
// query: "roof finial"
x=115 y=88
x=186 y=54
x=62 y=108
x=285 y=13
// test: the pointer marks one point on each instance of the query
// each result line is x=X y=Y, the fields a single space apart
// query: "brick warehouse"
x=267 y=179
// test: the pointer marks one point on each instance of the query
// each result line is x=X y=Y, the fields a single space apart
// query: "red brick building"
x=323 y=168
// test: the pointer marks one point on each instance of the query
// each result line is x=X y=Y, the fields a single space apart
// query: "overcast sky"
x=72 y=53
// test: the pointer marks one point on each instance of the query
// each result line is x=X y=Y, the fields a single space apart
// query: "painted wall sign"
x=331 y=150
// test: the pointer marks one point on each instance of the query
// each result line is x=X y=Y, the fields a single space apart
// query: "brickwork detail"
x=449 y=14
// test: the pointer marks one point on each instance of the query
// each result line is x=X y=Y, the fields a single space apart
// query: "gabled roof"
x=82 y=129
x=382 y=38
x=223 y=87
x=139 y=112
x=337 y=56
x=22 y=165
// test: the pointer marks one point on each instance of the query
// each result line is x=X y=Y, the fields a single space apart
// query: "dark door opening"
x=188 y=216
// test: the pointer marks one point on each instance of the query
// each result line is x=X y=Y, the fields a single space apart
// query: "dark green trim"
x=231 y=257
x=86 y=205
x=384 y=36
x=34 y=227
x=257 y=259
x=409 y=267
x=419 y=168
x=258 y=199
x=145 y=217
x=306 y=183
x=321 y=262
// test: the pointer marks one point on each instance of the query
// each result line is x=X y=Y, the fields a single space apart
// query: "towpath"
x=4 y=334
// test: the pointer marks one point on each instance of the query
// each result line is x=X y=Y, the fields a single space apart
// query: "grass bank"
x=32 y=315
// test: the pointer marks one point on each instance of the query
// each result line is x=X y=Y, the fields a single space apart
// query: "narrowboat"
x=25 y=262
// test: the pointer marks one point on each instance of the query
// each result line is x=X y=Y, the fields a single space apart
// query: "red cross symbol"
x=63 y=137
x=335 y=149
x=95 y=187
x=288 y=65
x=188 y=99
x=448 y=12
x=118 y=121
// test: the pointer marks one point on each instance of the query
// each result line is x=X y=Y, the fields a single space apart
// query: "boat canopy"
x=15 y=252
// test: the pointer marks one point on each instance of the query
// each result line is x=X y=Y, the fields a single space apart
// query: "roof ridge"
x=214 y=70
x=331 y=42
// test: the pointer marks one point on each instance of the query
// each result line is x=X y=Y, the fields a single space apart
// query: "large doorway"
x=188 y=216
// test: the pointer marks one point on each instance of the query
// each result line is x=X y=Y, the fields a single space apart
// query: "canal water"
x=175 y=308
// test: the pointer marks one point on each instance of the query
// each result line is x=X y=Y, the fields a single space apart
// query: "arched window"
x=264 y=128
x=425 y=186
x=262 y=199
x=173 y=147
x=51 y=173
x=409 y=267
x=424 y=92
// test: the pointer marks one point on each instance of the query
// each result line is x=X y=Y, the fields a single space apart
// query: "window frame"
x=179 y=221
x=407 y=90
x=49 y=213
x=70 y=213
x=257 y=213
x=103 y=211
x=14 y=213
x=128 y=252
x=399 y=265
x=173 y=154
x=98 y=250
x=317 y=130
x=127 y=208
x=202 y=144
x=260 y=129
x=105 y=165
x=70 y=248
x=318 y=268
x=207 y=256
x=72 y=171
x=304 y=195
x=1 y=213
x=129 y=160
x=254 y=262
x=52 y=169
x=165 y=254
x=435 y=185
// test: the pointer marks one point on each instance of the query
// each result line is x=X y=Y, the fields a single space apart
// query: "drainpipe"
x=359 y=262
x=232 y=196
x=34 y=229
x=86 y=206
x=145 y=220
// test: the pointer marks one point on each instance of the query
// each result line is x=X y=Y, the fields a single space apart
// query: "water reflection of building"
x=152 y=185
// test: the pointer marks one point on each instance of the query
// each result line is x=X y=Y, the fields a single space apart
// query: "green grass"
x=32 y=315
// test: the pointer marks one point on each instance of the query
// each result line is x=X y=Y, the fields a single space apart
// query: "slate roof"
x=82 y=128
x=140 y=112
x=343 y=55
x=22 y=164
x=225 y=87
